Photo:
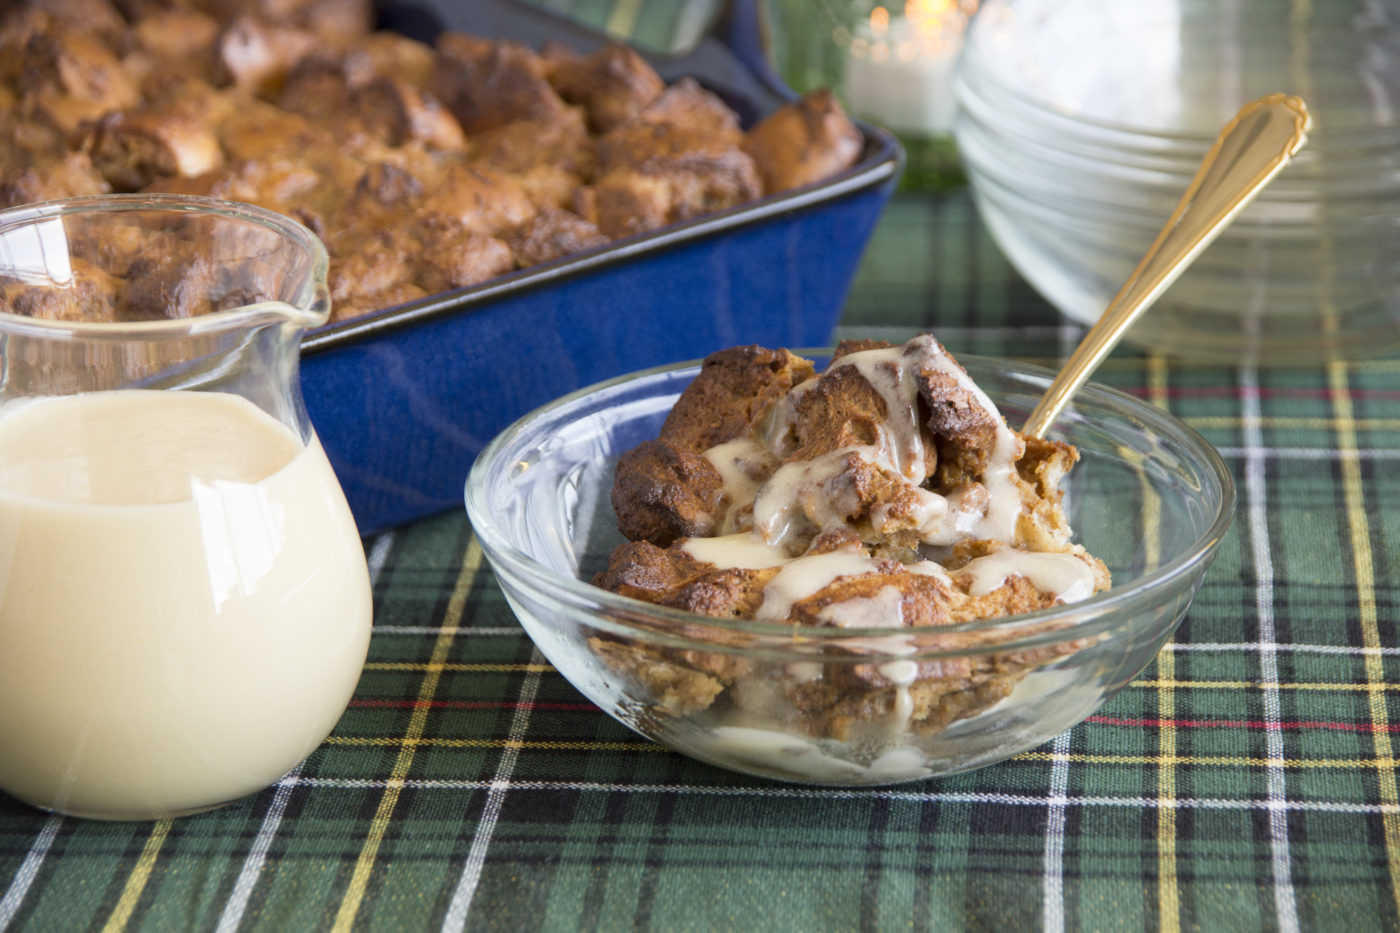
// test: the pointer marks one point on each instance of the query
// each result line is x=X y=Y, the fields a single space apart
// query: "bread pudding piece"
x=551 y=234
x=423 y=166
x=612 y=85
x=667 y=489
x=133 y=150
x=678 y=158
x=550 y=159
x=122 y=273
x=25 y=178
x=803 y=143
x=489 y=84
x=887 y=493
x=68 y=77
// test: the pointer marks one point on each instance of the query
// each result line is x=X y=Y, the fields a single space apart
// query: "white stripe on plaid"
x=1053 y=889
x=456 y=917
x=1053 y=909
x=841 y=793
x=378 y=554
x=33 y=859
x=1256 y=503
x=1281 y=647
x=257 y=855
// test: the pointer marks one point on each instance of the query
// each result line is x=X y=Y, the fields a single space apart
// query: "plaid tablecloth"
x=1245 y=780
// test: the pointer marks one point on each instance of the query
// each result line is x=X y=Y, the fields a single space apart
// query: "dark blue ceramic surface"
x=404 y=399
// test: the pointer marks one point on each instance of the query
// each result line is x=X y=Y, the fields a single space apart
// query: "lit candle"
x=899 y=72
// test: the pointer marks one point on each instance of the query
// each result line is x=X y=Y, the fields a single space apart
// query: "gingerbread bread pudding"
x=886 y=493
x=424 y=168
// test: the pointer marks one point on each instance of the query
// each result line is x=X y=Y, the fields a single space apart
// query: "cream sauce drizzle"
x=901 y=440
x=741 y=551
x=883 y=610
x=814 y=487
x=804 y=576
x=743 y=465
x=803 y=491
x=998 y=522
x=1067 y=577
x=901 y=672
x=800 y=494
x=930 y=568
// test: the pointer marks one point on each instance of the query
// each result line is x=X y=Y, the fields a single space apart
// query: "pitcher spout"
x=158 y=291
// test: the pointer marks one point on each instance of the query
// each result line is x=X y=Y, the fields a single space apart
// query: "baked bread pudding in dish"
x=886 y=493
x=424 y=167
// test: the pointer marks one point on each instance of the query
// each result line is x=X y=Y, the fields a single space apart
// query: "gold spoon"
x=1250 y=150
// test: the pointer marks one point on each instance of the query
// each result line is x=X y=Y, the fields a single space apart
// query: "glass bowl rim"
x=312 y=310
x=1037 y=108
x=624 y=614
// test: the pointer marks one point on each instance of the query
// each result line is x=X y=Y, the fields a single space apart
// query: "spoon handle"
x=1250 y=150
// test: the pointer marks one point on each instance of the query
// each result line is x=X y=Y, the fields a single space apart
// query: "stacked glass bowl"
x=1081 y=124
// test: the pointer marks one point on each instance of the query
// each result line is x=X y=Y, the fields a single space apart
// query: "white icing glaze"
x=815 y=488
x=883 y=610
x=999 y=479
x=803 y=497
x=803 y=671
x=804 y=576
x=791 y=755
x=901 y=439
x=929 y=568
x=901 y=672
x=1065 y=576
x=743 y=551
x=743 y=464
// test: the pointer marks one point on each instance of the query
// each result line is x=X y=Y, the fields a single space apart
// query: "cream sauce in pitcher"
x=184 y=603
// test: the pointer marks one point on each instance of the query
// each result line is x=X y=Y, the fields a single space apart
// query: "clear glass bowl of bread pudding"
x=847 y=567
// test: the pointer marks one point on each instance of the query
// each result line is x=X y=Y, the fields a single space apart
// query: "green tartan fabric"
x=1245 y=780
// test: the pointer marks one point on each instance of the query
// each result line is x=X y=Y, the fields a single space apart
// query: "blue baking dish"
x=404 y=398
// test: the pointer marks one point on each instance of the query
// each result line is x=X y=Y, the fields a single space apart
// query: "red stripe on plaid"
x=1240 y=723
x=1323 y=394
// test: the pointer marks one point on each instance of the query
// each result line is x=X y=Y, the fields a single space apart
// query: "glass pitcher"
x=184 y=600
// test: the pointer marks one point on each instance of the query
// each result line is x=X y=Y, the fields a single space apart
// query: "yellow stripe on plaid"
x=1354 y=497
x=379 y=825
x=1168 y=896
x=1168 y=899
x=136 y=881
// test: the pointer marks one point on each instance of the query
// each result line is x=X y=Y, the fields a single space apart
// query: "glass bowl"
x=1149 y=496
x=1082 y=123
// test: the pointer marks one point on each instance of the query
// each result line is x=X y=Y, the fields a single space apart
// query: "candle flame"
x=879 y=21
x=933 y=16
x=920 y=28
